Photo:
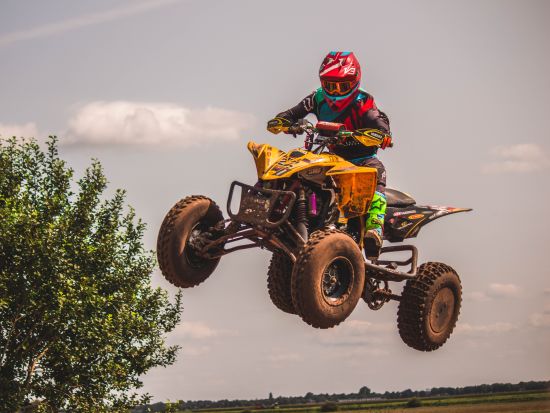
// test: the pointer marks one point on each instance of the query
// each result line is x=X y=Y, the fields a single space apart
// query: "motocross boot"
x=374 y=226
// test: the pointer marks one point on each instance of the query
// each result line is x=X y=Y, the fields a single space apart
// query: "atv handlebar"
x=330 y=133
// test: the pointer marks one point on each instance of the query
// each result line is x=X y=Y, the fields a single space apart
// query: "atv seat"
x=397 y=198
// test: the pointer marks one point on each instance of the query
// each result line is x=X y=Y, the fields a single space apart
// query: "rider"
x=339 y=99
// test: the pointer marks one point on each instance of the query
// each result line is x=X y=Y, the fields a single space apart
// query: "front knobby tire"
x=279 y=277
x=328 y=278
x=177 y=260
x=429 y=307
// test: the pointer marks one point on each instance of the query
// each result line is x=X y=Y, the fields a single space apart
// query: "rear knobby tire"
x=177 y=260
x=429 y=307
x=328 y=278
x=279 y=277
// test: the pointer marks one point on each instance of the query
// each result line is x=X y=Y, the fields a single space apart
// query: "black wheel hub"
x=337 y=279
x=196 y=241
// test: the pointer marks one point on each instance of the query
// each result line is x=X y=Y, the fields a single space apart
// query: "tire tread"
x=279 y=277
x=299 y=274
x=165 y=238
x=411 y=316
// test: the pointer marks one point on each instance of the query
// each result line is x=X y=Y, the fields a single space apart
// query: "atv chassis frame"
x=252 y=222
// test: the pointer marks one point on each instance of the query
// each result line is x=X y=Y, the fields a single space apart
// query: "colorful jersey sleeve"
x=301 y=110
x=374 y=118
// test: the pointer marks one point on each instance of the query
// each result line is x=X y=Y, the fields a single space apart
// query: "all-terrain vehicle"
x=308 y=208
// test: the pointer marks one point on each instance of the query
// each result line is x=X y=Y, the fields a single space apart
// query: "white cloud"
x=196 y=330
x=82 y=21
x=26 y=130
x=483 y=329
x=477 y=296
x=355 y=333
x=359 y=352
x=524 y=157
x=495 y=290
x=194 y=351
x=196 y=338
x=135 y=123
x=503 y=290
x=360 y=327
x=473 y=343
x=540 y=320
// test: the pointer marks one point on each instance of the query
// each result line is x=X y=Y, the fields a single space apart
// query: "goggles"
x=337 y=88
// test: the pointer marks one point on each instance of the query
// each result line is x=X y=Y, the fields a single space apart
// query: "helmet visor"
x=337 y=88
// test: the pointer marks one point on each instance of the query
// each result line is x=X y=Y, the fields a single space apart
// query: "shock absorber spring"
x=301 y=215
x=313 y=204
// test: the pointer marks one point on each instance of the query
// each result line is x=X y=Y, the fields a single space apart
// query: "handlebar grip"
x=387 y=142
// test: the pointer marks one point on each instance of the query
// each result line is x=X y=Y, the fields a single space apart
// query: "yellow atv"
x=308 y=207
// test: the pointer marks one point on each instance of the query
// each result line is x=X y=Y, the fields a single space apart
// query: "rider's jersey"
x=360 y=114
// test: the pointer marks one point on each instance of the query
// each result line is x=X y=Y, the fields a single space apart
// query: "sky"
x=166 y=94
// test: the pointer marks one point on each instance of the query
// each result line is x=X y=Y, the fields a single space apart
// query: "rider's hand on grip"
x=277 y=125
x=298 y=127
x=386 y=142
x=373 y=137
x=343 y=137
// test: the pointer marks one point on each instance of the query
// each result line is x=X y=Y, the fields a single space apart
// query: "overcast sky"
x=166 y=94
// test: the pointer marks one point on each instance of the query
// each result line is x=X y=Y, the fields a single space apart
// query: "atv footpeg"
x=267 y=208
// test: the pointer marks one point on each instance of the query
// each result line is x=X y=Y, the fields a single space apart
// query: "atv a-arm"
x=218 y=247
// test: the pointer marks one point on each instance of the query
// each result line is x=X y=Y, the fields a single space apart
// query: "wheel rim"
x=189 y=250
x=442 y=310
x=337 y=280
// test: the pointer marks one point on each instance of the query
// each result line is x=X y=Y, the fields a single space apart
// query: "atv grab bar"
x=390 y=272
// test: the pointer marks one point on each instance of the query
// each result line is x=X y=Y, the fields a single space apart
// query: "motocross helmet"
x=340 y=75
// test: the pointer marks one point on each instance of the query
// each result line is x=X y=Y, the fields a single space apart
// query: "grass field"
x=520 y=402
x=475 y=403
x=511 y=407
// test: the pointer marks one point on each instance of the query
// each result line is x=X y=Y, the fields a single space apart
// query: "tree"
x=364 y=391
x=171 y=407
x=406 y=393
x=79 y=320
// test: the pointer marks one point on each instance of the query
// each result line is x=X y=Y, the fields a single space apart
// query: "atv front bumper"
x=260 y=207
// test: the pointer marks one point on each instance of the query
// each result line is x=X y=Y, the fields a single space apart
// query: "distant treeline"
x=363 y=394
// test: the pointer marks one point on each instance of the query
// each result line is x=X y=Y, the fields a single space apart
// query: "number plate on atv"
x=261 y=207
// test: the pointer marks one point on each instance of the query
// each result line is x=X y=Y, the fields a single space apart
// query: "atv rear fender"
x=405 y=222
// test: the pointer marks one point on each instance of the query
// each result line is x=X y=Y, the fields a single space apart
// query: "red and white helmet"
x=340 y=75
